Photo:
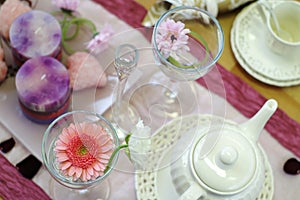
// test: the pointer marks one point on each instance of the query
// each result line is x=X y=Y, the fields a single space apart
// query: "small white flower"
x=140 y=145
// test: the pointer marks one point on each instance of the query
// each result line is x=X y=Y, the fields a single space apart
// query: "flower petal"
x=78 y=172
x=65 y=165
x=83 y=176
x=61 y=157
x=96 y=167
x=61 y=147
x=66 y=4
x=88 y=176
x=63 y=137
x=106 y=149
x=104 y=156
x=90 y=171
x=71 y=171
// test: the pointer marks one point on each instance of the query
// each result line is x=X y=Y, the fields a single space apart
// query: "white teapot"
x=224 y=163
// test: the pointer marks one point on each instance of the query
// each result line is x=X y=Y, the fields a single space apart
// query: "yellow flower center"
x=82 y=150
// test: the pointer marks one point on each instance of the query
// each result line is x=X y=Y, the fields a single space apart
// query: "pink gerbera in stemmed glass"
x=83 y=150
x=77 y=149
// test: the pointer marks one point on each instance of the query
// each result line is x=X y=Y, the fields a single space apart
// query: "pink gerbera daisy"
x=83 y=151
x=172 y=37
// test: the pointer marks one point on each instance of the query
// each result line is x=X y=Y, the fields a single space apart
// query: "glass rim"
x=220 y=35
x=82 y=183
x=118 y=56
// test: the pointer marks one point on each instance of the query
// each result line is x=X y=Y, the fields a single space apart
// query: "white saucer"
x=249 y=47
x=157 y=184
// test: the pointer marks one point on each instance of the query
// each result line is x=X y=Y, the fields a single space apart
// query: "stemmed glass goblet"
x=76 y=150
x=186 y=44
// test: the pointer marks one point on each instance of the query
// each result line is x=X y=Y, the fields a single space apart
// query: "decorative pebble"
x=85 y=71
x=292 y=166
x=9 y=11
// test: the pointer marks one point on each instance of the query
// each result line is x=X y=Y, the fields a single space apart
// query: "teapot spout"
x=253 y=127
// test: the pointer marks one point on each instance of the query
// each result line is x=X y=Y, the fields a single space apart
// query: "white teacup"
x=286 y=41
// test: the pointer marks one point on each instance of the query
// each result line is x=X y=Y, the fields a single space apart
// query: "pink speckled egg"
x=85 y=71
x=9 y=11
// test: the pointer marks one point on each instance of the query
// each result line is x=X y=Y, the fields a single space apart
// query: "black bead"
x=292 y=166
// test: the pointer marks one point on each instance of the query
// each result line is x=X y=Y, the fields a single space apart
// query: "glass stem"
x=120 y=90
x=126 y=57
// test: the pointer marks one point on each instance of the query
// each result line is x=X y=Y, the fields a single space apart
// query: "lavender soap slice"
x=43 y=87
x=35 y=33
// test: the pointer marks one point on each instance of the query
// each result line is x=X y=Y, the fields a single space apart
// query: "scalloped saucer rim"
x=254 y=73
x=248 y=41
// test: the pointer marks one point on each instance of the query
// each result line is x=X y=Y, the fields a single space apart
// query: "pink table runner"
x=13 y=186
x=280 y=126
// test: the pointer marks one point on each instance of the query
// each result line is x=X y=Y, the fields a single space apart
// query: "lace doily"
x=146 y=181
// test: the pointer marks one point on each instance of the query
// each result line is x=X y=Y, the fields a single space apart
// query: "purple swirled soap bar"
x=43 y=86
x=35 y=33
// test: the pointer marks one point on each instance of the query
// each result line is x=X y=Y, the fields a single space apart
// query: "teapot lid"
x=229 y=165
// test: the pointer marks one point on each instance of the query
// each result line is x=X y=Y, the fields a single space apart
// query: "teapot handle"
x=194 y=192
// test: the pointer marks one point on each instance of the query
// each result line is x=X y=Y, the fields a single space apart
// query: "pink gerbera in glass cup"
x=83 y=150
x=77 y=148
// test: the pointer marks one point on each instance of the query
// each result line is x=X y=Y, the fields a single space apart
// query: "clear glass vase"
x=63 y=185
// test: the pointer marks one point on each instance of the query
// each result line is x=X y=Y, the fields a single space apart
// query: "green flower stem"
x=64 y=20
x=70 y=20
x=65 y=29
x=123 y=146
x=179 y=65
x=78 y=22
x=174 y=62
x=66 y=47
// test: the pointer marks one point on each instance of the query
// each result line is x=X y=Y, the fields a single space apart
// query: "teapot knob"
x=228 y=155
